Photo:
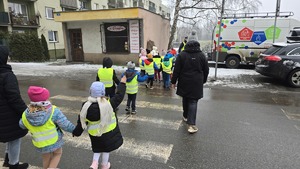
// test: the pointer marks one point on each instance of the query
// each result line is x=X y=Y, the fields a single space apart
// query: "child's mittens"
x=77 y=131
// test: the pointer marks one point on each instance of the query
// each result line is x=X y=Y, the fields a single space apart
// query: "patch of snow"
x=80 y=71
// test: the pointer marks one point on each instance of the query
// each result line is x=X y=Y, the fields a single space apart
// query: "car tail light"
x=272 y=58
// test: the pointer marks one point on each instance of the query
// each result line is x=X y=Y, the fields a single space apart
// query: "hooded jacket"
x=111 y=140
x=131 y=73
x=191 y=71
x=39 y=118
x=11 y=103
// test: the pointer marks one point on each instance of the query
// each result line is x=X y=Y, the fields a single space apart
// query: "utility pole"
x=219 y=38
x=276 y=15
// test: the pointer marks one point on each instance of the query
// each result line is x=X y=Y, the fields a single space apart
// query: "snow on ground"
x=225 y=77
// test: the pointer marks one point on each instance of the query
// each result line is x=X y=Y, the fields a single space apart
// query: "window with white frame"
x=18 y=10
x=49 y=13
x=96 y=6
x=52 y=35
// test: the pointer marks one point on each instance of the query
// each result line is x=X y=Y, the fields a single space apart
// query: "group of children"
x=154 y=65
x=45 y=121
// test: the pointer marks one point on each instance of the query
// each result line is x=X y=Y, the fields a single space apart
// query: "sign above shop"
x=116 y=28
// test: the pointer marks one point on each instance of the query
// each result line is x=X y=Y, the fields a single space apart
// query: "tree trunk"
x=174 y=25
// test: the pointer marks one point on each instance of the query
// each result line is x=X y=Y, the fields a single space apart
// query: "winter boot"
x=94 y=165
x=19 y=166
x=5 y=163
x=105 y=166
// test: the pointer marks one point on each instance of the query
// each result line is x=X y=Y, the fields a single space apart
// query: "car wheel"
x=232 y=62
x=294 y=78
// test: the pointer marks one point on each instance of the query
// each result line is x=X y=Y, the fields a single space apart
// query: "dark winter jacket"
x=191 y=71
x=112 y=140
x=131 y=73
x=11 y=104
x=107 y=62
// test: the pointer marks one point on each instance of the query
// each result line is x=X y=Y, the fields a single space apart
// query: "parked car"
x=281 y=61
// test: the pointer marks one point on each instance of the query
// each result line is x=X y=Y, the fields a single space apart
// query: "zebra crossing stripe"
x=126 y=119
x=155 y=122
x=142 y=149
x=140 y=104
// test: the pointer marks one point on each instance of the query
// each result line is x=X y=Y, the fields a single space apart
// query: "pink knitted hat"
x=38 y=94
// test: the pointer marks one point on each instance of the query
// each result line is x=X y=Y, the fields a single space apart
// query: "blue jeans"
x=13 y=150
x=166 y=79
x=190 y=110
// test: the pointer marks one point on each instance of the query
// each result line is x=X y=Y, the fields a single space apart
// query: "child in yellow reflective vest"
x=133 y=78
x=107 y=75
x=98 y=117
x=45 y=121
x=150 y=68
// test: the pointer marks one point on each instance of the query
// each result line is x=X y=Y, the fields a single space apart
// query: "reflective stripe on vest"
x=93 y=126
x=140 y=64
x=132 y=86
x=157 y=62
x=167 y=69
x=149 y=68
x=182 y=49
x=106 y=76
x=44 y=135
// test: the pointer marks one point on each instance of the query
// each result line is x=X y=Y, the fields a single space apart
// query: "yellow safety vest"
x=132 y=86
x=140 y=64
x=182 y=49
x=167 y=69
x=44 y=135
x=157 y=62
x=149 y=68
x=106 y=76
x=93 y=126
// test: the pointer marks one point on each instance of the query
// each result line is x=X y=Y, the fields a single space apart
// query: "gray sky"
x=285 y=6
x=270 y=5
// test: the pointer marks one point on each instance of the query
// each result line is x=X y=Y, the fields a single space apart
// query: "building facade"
x=118 y=33
x=38 y=15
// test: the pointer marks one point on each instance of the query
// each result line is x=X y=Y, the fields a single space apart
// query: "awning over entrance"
x=104 y=14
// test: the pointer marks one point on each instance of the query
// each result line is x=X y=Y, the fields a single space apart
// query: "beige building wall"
x=49 y=24
x=156 y=29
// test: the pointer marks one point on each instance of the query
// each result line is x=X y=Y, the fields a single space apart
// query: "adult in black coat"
x=191 y=71
x=11 y=108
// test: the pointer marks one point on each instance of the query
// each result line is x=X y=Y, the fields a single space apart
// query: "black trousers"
x=131 y=100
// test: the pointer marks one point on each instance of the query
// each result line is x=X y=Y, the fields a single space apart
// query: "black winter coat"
x=112 y=140
x=191 y=71
x=11 y=105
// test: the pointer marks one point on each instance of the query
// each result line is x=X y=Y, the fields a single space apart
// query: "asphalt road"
x=238 y=128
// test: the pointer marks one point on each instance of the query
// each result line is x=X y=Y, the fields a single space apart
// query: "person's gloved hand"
x=76 y=132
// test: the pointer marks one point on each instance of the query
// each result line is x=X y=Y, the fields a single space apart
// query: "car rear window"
x=271 y=50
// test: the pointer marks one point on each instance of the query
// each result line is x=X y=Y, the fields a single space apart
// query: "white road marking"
x=297 y=127
x=142 y=149
x=140 y=104
x=126 y=119
x=161 y=123
x=291 y=116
